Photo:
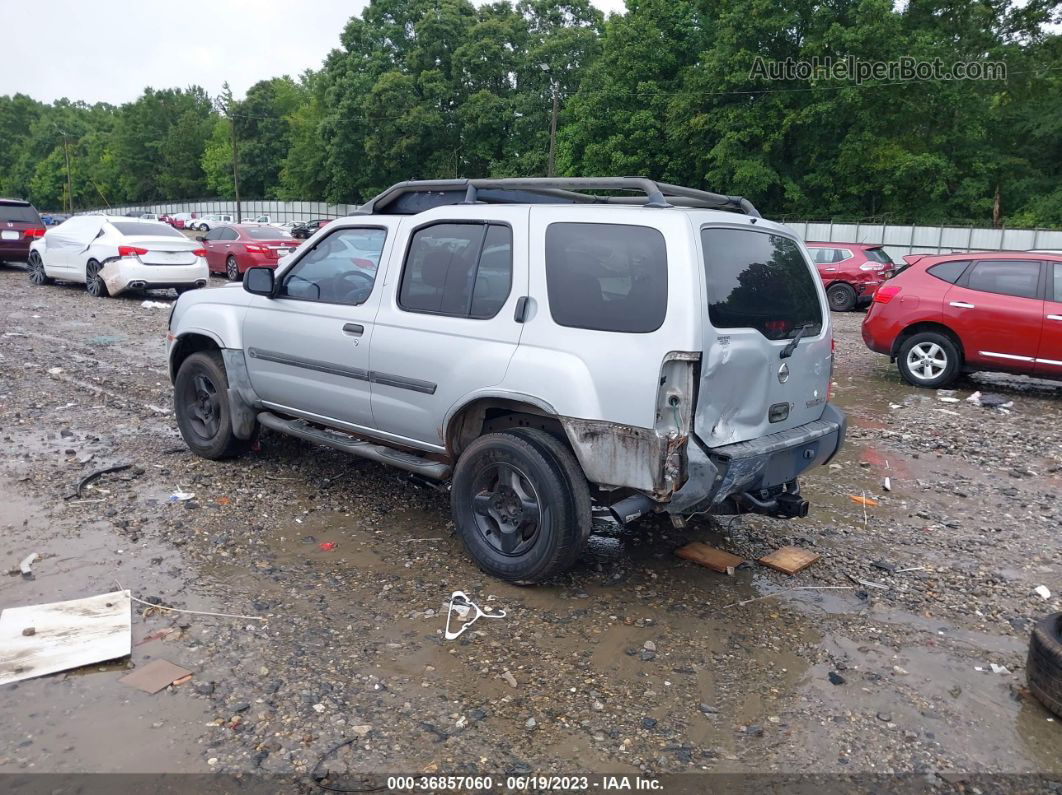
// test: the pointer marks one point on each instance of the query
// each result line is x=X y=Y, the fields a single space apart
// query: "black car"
x=307 y=228
x=20 y=225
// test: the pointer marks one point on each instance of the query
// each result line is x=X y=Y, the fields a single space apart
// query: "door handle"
x=521 y=309
x=962 y=305
x=354 y=329
x=1054 y=317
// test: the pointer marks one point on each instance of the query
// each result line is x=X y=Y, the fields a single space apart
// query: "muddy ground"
x=634 y=661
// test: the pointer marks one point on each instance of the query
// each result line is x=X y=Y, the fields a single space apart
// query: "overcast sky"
x=109 y=50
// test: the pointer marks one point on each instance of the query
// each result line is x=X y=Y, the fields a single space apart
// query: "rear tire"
x=94 y=284
x=35 y=270
x=521 y=505
x=232 y=269
x=201 y=402
x=929 y=359
x=1043 y=668
x=841 y=297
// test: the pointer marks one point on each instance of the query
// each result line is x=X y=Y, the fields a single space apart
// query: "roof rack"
x=414 y=196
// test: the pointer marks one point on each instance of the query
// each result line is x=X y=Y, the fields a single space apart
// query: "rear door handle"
x=961 y=305
x=1054 y=317
x=354 y=329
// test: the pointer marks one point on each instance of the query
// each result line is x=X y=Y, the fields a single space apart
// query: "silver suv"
x=539 y=345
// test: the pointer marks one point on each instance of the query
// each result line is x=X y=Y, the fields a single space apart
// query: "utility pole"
x=224 y=104
x=69 y=180
x=552 y=134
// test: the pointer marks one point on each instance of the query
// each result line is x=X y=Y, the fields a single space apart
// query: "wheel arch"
x=188 y=343
x=493 y=412
x=918 y=328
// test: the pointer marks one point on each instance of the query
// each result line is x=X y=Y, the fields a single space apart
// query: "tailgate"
x=761 y=291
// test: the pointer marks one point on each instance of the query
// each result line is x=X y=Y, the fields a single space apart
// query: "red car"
x=20 y=225
x=850 y=272
x=949 y=313
x=231 y=250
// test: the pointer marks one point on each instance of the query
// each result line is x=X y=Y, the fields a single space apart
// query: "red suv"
x=850 y=272
x=948 y=313
x=20 y=225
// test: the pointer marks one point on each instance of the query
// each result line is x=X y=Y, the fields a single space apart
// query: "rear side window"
x=879 y=255
x=1058 y=281
x=948 y=271
x=606 y=277
x=463 y=270
x=759 y=280
x=1019 y=278
x=146 y=228
x=19 y=214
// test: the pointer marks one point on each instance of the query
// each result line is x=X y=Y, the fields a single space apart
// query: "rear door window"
x=19 y=214
x=1058 y=281
x=606 y=277
x=1020 y=278
x=759 y=280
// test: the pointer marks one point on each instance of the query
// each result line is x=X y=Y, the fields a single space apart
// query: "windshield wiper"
x=788 y=350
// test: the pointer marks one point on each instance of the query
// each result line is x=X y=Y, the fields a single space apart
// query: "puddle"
x=84 y=720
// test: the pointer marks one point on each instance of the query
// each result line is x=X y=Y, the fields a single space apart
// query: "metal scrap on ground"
x=66 y=635
x=155 y=675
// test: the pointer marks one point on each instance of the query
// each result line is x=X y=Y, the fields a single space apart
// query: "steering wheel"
x=359 y=285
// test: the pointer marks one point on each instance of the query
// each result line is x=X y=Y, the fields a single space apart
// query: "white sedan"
x=113 y=254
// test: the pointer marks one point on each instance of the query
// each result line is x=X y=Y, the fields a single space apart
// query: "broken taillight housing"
x=131 y=251
x=885 y=294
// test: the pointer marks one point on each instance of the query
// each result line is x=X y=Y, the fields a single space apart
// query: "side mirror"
x=200 y=238
x=259 y=281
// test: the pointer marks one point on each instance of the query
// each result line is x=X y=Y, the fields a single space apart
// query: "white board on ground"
x=65 y=635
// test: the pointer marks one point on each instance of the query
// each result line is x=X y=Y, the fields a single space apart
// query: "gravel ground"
x=634 y=662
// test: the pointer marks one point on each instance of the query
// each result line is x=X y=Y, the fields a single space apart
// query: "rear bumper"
x=127 y=273
x=14 y=250
x=754 y=473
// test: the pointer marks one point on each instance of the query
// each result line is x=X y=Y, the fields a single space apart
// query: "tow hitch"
x=785 y=505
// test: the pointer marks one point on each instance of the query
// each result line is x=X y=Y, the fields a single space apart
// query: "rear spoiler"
x=911 y=259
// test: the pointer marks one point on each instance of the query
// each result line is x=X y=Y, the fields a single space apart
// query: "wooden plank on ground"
x=789 y=560
x=710 y=557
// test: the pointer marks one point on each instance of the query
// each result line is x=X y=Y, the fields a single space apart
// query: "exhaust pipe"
x=137 y=285
x=200 y=282
x=630 y=508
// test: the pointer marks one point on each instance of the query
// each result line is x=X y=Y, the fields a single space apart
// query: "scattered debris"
x=158 y=606
x=948 y=399
x=65 y=635
x=863 y=500
x=155 y=305
x=462 y=605
x=999 y=669
x=508 y=677
x=835 y=678
x=29 y=631
x=1042 y=591
x=884 y=566
x=181 y=496
x=990 y=400
x=868 y=583
x=91 y=476
x=55 y=370
x=155 y=675
x=710 y=557
x=25 y=566
x=327 y=546
x=887 y=484
x=789 y=560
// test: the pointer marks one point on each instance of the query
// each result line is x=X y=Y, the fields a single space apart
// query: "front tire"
x=521 y=505
x=94 y=284
x=232 y=269
x=841 y=297
x=929 y=359
x=201 y=402
x=35 y=269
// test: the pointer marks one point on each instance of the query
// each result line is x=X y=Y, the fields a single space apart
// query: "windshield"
x=759 y=280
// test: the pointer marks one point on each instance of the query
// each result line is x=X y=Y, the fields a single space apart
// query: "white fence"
x=899 y=240
x=278 y=211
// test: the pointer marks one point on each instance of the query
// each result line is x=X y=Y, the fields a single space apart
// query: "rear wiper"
x=788 y=350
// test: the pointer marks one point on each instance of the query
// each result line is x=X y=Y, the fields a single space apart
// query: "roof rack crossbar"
x=570 y=189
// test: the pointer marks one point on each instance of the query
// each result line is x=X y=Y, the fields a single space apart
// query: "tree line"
x=442 y=88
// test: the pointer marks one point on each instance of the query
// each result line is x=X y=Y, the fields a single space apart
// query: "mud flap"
x=241 y=396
